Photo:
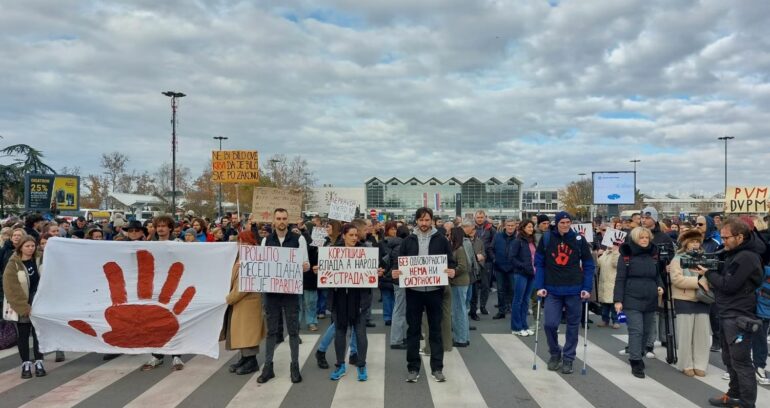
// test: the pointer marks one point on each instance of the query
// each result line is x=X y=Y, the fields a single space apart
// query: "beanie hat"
x=652 y=212
x=542 y=218
x=189 y=231
x=562 y=215
x=689 y=235
x=119 y=222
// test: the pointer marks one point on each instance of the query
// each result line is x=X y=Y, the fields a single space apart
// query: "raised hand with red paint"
x=141 y=325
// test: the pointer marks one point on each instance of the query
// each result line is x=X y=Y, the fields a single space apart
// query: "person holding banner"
x=279 y=305
x=349 y=310
x=425 y=240
x=20 y=281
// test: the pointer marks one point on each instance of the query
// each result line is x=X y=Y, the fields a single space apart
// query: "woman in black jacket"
x=637 y=287
x=388 y=254
x=523 y=251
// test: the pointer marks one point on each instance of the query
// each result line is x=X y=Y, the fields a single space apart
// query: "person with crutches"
x=563 y=280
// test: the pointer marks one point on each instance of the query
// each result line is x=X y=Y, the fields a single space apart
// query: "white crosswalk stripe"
x=11 y=378
x=449 y=394
x=369 y=394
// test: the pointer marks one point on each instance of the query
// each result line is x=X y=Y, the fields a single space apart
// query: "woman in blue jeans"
x=459 y=288
x=523 y=277
x=637 y=287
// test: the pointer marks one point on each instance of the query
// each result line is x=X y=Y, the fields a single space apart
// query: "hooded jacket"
x=712 y=241
x=636 y=284
x=741 y=275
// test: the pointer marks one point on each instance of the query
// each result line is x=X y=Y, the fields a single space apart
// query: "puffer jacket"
x=636 y=284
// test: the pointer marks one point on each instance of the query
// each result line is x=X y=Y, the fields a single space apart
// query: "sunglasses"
x=700 y=224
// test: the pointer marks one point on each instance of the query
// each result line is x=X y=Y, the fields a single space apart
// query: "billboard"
x=49 y=192
x=614 y=187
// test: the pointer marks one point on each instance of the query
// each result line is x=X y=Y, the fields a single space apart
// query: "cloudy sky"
x=537 y=89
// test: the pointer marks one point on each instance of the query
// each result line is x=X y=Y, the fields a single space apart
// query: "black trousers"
x=278 y=306
x=714 y=321
x=736 y=356
x=430 y=302
x=25 y=330
x=480 y=291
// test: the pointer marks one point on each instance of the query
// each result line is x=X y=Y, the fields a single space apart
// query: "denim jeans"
x=522 y=290
x=388 y=299
x=321 y=305
x=398 y=322
x=328 y=337
x=554 y=305
x=608 y=312
x=309 y=301
x=759 y=345
x=460 y=325
x=640 y=330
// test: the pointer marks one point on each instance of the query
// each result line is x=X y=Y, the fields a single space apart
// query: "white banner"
x=584 y=230
x=417 y=271
x=133 y=297
x=341 y=209
x=347 y=267
x=318 y=237
x=613 y=236
x=269 y=269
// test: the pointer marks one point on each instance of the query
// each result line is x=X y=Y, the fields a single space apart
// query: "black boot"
x=267 y=373
x=295 y=375
x=234 y=367
x=637 y=368
x=250 y=366
x=320 y=357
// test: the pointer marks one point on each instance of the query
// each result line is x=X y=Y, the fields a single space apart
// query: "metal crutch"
x=537 y=333
x=585 y=340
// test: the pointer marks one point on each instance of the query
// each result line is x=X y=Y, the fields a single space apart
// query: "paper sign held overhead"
x=417 y=271
x=613 y=237
x=584 y=230
x=318 y=236
x=268 y=269
x=267 y=199
x=341 y=209
x=347 y=267
x=747 y=200
x=235 y=166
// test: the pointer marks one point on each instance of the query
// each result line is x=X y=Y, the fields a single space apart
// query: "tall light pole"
x=726 y=138
x=174 y=96
x=220 y=138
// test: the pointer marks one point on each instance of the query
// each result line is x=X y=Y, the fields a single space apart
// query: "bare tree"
x=114 y=164
x=70 y=171
x=163 y=179
x=292 y=174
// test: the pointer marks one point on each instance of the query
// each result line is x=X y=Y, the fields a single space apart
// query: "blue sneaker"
x=362 y=375
x=338 y=373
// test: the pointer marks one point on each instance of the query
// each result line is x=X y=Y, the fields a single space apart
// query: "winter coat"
x=712 y=241
x=522 y=257
x=244 y=319
x=608 y=270
x=684 y=284
x=636 y=285
x=486 y=232
x=462 y=278
x=389 y=248
x=564 y=264
x=735 y=283
x=16 y=285
x=504 y=253
x=6 y=252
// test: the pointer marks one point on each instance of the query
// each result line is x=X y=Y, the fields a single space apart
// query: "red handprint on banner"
x=561 y=257
x=141 y=325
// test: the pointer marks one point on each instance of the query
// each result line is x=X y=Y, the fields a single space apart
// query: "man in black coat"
x=734 y=287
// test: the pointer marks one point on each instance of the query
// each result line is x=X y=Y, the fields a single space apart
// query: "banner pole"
x=238 y=203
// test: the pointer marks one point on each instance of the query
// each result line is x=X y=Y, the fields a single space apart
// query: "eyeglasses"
x=700 y=224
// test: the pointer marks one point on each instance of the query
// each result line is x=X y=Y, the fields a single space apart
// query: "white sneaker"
x=523 y=333
x=154 y=362
x=649 y=354
x=177 y=364
x=762 y=377
x=726 y=376
x=623 y=352
x=531 y=332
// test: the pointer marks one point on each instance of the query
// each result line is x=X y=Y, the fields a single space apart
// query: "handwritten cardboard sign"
x=267 y=199
x=586 y=230
x=269 y=269
x=235 y=166
x=341 y=209
x=318 y=236
x=417 y=271
x=613 y=237
x=347 y=267
x=747 y=200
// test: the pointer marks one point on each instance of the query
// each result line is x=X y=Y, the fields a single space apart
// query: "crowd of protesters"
x=519 y=261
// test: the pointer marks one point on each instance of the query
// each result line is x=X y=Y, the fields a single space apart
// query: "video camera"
x=693 y=259
x=664 y=252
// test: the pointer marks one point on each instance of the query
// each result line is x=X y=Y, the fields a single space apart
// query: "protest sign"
x=267 y=199
x=428 y=270
x=585 y=230
x=613 y=236
x=341 y=209
x=747 y=200
x=268 y=269
x=235 y=166
x=318 y=236
x=134 y=297
x=347 y=267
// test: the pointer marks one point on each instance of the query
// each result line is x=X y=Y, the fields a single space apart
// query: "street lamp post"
x=220 y=138
x=726 y=138
x=174 y=96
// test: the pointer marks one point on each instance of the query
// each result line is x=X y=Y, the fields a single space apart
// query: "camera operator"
x=734 y=288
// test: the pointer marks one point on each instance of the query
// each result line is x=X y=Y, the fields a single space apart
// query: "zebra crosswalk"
x=495 y=371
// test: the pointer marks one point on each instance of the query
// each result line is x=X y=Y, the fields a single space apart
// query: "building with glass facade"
x=540 y=200
x=498 y=197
